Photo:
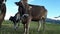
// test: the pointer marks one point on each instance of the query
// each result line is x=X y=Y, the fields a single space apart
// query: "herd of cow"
x=26 y=13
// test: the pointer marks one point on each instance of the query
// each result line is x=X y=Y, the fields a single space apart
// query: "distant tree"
x=57 y=17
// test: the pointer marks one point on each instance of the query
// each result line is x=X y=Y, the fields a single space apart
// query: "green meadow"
x=7 y=28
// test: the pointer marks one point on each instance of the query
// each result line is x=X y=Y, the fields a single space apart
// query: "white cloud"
x=29 y=1
x=55 y=18
x=11 y=11
x=7 y=16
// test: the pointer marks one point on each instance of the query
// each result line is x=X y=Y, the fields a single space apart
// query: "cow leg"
x=28 y=25
x=44 y=25
x=15 y=26
x=18 y=24
x=39 y=25
x=24 y=28
x=0 y=24
x=27 y=28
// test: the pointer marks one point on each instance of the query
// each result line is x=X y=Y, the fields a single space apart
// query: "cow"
x=2 y=10
x=30 y=13
x=15 y=19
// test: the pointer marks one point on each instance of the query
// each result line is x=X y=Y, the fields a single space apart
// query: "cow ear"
x=30 y=7
x=4 y=1
x=17 y=3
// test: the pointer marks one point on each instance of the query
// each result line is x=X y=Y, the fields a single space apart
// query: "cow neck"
x=24 y=6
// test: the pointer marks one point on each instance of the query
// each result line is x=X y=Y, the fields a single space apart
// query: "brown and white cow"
x=2 y=11
x=30 y=13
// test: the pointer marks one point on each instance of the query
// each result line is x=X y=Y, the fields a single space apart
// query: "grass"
x=7 y=28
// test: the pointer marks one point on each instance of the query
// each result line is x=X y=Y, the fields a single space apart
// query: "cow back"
x=37 y=12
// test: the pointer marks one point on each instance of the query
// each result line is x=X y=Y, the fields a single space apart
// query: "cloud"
x=29 y=1
x=11 y=11
x=55 y=18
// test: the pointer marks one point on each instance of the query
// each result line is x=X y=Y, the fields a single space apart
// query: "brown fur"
x=3 y=11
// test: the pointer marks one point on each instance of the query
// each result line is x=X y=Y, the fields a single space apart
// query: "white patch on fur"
x=28 y=28
x=25 y=15
x=25 y=29
x=30 y=7
x=39 y=25
x=4 y=2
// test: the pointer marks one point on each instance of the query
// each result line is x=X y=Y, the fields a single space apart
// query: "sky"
x=52 y=6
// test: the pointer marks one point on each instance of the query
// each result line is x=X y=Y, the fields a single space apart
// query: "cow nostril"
x=25 y=16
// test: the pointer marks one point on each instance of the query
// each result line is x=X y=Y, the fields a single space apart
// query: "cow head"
x=19 y=4
x=11 y=18
x=22 y=7
x=24 y=12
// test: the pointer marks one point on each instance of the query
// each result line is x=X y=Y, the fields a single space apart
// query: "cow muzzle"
x=25 y=16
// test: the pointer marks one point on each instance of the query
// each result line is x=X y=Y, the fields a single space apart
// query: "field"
x=7 y=28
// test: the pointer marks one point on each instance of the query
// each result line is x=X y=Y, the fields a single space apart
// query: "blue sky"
x=53 y=7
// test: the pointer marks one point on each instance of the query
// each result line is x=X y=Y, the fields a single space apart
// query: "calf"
x=15 y=19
